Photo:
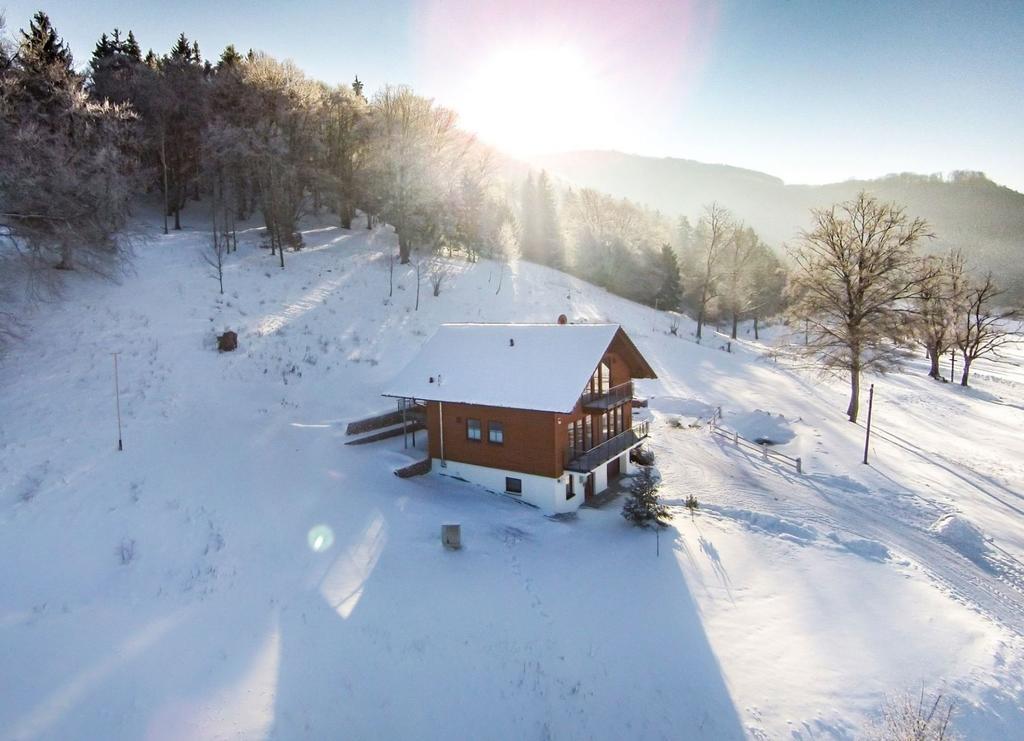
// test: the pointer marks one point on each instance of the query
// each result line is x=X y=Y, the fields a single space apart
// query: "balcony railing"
x=589 y=460
x=603 y=400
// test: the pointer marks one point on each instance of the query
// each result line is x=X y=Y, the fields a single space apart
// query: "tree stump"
x=227 y=341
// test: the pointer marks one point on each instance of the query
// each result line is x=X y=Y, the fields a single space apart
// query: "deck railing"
x=586 y=461
x=608 y=398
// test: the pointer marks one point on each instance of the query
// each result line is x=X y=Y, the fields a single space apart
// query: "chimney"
x=511 y=342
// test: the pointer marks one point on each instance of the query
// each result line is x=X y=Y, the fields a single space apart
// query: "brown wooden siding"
x=531 y=443
x=535 y=442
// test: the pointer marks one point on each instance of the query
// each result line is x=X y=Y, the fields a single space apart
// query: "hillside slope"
x=237 y=572
x=983 y=219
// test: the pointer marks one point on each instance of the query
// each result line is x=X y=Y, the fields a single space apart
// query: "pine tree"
x=131 y=48
x=47 y=75
x=644 y=505
x=551 y=246
x=357 y=87
x=529 y=222
x=229 y=57
x=670 y=293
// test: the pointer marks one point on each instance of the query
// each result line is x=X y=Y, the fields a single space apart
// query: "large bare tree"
x=855 y=273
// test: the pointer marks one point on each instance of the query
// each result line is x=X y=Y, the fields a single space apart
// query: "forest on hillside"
x=216 y=143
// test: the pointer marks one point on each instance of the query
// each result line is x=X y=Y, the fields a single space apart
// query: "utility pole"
x=952 y=364
x=867 y=434
x=117 y=397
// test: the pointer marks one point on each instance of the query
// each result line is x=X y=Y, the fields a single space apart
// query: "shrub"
x=644 y=505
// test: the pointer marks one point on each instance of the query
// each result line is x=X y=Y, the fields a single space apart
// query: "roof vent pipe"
x=511 y=342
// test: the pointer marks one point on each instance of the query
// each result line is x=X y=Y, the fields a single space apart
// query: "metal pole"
x=867 y=434
x=117 y=397
x=952 y=364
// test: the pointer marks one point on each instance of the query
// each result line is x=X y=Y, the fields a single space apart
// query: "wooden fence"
x=741 y=442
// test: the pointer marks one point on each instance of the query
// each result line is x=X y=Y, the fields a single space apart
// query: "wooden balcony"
x=602 y=401
x=584 y=462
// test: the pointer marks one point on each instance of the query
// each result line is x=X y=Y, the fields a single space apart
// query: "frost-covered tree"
x=670 y=292
x=983 y=326
x=714 y=234
x=410 y=163
x=943 y=285
x=66 y=170
x=856 y=272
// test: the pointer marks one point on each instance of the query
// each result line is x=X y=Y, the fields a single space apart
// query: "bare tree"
x=438 y=272
x=715 y=234
x=982 y=330
x=214 y=257
x=737 y=270
x=855 y=272
x=941 y=296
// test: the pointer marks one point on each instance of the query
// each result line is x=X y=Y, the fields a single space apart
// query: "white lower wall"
x=548 y=494
x=545 y=493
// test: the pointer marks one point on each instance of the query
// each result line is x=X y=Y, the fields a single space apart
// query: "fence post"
x=764 y=450
x=799 y=466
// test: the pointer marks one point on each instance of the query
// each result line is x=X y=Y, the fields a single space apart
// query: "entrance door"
x=613 y=470
x=588 y=487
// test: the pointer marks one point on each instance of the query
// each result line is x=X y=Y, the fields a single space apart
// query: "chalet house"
x=537 y=411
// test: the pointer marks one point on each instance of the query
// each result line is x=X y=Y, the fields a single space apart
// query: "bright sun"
x=528 y=99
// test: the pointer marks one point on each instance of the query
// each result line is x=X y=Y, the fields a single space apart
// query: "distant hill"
x=966 y=211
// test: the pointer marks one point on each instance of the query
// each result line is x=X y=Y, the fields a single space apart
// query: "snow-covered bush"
x=916 y=717
x=642 y=456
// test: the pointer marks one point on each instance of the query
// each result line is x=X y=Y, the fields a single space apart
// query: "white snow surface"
x=238 y=572
x=543 y=367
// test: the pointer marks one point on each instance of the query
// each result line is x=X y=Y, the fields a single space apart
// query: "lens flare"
x=320 y=538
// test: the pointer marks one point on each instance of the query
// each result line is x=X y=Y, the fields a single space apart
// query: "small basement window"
x=495 y=433
x=473 y=429
x=513 y=486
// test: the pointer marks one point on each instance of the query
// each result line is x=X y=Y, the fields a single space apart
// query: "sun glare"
x=533 y=98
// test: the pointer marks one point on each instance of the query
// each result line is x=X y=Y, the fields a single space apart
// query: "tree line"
x=249 y=135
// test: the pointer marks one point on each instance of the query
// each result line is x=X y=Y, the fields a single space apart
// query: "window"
x=473 y=429
x=604 y=426
x=513 y=486
x=570 y=490
x=495 y=433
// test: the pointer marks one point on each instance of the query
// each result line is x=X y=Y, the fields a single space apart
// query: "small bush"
x=916 y=717
x=642 y=456
x=691 y=504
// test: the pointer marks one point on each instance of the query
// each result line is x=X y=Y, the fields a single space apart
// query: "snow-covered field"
x=237 y=572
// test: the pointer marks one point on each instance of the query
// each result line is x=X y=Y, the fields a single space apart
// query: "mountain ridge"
x=966 y=210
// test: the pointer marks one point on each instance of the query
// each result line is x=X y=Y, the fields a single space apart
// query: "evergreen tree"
x=644 y=506
x=46 y=76
x=670 y=293
x=551 y=246
x=229 y=57
x=529 y=222
x=357 y=87
x=131 y=48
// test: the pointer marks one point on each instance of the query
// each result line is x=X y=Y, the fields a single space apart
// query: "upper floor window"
x=473 y=429
x=495 y=433
x=601 y=380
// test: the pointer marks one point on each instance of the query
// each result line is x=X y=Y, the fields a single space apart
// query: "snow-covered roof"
x=543 y=367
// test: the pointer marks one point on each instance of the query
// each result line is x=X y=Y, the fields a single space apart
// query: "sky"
x=811 y=92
